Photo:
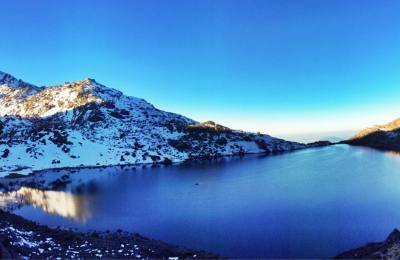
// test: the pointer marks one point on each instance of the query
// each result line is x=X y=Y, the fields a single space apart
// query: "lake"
x=308 y=203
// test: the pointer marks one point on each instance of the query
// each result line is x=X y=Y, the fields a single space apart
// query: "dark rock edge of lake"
x=21 y=238
x=40 y=241
x=388 y=249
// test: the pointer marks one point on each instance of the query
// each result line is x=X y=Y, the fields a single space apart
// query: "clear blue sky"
x=279 y=67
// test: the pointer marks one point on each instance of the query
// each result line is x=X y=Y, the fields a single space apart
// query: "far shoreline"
x=15 y=173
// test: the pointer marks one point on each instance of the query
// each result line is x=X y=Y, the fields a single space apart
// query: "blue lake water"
x=309 y=203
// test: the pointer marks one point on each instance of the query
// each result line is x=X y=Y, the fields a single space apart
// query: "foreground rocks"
x=20 y=238
x=388 y=249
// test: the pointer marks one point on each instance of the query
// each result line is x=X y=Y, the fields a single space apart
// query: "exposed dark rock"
x=385 y=137
x=222 y=141
x=96 y=116
x=262 y=144
x=319 y=144
x=5 y=153
x=388 y=249
x=167 y=161
x=208 y=126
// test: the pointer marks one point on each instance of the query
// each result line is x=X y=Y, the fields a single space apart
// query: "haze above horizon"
x=278 y=67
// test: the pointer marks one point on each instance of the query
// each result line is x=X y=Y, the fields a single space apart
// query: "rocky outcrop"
x=386 y=137
x=388 y=249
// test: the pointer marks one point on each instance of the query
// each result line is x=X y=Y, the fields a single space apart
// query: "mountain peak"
x=85 y=81
x=87 y=123
x=11 y=81
x=6 y=78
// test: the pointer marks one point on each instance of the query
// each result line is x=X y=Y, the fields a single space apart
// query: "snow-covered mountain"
x=85 y=124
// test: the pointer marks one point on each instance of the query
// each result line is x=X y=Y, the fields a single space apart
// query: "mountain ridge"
x=8 y=79
x=85 y=123
x=385 y=137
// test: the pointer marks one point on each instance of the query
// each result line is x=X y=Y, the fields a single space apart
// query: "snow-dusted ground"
x=87 y=124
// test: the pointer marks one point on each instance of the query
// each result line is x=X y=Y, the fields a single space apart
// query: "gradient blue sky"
x=279 y=67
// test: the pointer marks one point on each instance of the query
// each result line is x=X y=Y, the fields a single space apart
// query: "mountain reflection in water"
x=393 y=153
x=60 y=203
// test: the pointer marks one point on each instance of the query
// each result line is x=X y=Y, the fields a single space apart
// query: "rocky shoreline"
x=388 y=249
x=39 y=179
x=21 y=238
x=21 y=171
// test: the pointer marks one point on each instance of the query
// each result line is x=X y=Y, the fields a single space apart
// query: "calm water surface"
x=310 y=203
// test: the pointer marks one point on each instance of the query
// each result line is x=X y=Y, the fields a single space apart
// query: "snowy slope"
x=85 y=123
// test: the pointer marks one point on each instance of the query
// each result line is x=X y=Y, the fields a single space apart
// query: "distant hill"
x=333 y=139
x=380 y=136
